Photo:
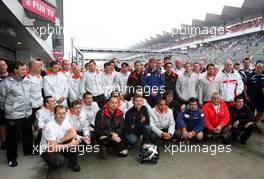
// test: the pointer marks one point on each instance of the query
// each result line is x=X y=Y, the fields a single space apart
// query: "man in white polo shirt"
x=58 y=137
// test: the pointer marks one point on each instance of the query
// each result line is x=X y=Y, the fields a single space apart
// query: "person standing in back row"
x=153 y=83
x=232 y=83
x=93 y=82
x=18 y=113
x=56 y=84
x=3 y=75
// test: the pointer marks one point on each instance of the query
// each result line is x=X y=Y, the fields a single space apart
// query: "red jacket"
x=212 y=120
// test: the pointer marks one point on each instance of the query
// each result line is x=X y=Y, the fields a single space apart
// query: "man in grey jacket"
x=209 y=84
x=187 y=84
x=18 y=111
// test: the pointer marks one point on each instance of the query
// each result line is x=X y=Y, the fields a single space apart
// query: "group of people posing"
x=65 y=107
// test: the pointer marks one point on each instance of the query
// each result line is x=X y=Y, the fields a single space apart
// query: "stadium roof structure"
x=250 y=9
x=231 y=15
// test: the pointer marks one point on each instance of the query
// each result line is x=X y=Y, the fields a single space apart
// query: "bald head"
x=179 y=63
x=228 y=65
x=259 y=68
x=35 y=66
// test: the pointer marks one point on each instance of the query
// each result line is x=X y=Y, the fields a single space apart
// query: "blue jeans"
x=133 y=137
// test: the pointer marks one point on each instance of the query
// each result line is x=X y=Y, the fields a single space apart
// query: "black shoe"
x=3 y=146
x=129 y=146
x=12 y=163
x=74 y=166
x=102 y=153
x=243 y=142
x=257 y=130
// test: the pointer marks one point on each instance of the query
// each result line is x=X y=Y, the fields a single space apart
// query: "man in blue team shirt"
x=153 y=83
x=191 y=121
x=255 y=90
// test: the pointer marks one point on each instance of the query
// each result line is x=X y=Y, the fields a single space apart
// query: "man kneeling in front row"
x=58 y=138
x=109 y=128
x=162 y=123
x=241 y=122
x=191 y=121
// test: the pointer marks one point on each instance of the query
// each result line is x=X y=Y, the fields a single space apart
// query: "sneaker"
x=12 y=163
x=74 y=166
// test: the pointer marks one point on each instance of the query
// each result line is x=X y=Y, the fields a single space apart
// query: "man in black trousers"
x=18 y=113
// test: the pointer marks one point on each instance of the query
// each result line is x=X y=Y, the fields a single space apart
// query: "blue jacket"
x=153 y=79
x=191 y=120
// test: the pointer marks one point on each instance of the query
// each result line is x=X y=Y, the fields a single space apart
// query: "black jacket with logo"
x=133 y=119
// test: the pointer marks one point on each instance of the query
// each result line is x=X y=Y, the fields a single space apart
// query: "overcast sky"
x=123 y=23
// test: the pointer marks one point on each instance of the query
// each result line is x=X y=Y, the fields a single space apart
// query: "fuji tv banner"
x=40 y=8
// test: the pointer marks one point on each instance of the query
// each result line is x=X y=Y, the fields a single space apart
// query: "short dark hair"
x=236 y=63
x=238 y=98
x=39 y=60
x=246 y=59
x=54 y=63
x=113 y=59
x=137 y=96
x=187 y=63
x=92 y=61
x=59 y=107
x=46 y=100
x=86 y=64
x=137 y=61
x=160 y=100
x=192 y=100
x=166 y=64
x=87 y=93
x=196 y=63
x=167 y=93
x=107 y=64
x=113 y=97
x=75 y=103
x=167 y=58
x=124 y=64
x=210 y=65
x=113 y=93
x=152 y=60
x=18 y=64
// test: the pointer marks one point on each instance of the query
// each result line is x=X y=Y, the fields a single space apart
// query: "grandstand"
x=243 y=36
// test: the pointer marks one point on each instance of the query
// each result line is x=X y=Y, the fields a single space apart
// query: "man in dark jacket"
x=134 y=80
x=137 y=122
x=109 y=125
x=191 y=121
x=170 y=77
x=168 y=96
x=153 y=83
x=241 y=120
